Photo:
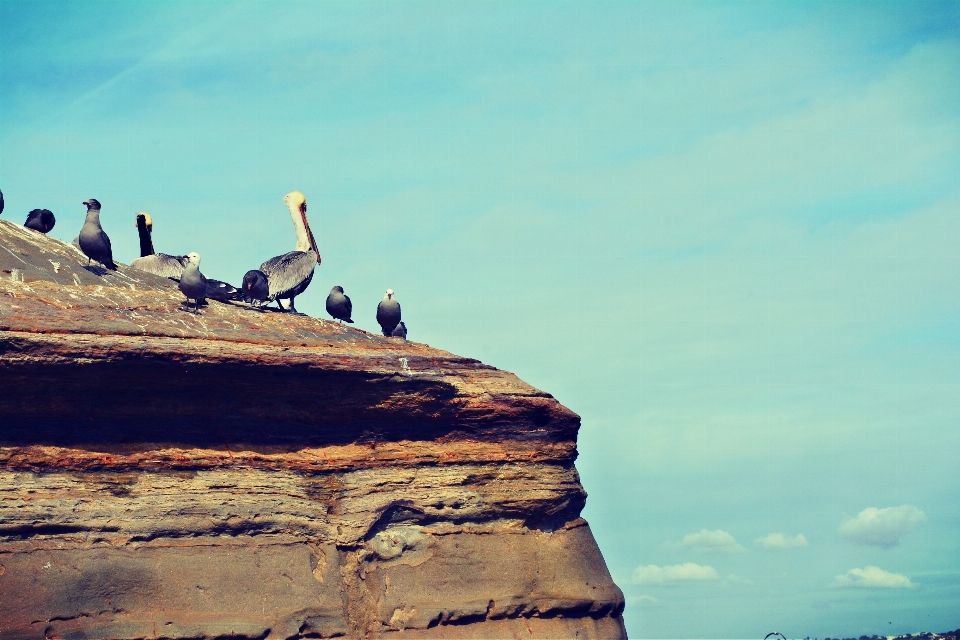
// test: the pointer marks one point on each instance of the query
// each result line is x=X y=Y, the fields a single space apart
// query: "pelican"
x=41 y=220
x=388 y=313
x=339 y=305
x=93 y=241
x=160 y=264
x=193 y=284
x=288 y=275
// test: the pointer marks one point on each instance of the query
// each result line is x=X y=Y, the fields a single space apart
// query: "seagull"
x=339 y=305
x=41 y=220
x=256 y=290
x=93 y=241
x=400 y=331
x=388 y=313
x=192 y=283
x=160 y=264
x=288 y=275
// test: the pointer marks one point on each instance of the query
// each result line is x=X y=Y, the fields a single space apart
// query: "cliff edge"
x=254 y=474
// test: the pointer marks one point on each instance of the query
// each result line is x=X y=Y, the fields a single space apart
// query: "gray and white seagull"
x=93 y=242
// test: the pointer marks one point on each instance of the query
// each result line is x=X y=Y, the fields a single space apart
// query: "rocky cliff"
x=259 y=475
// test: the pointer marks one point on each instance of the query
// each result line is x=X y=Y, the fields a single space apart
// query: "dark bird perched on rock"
x=255 y=288
x=160 y=264
x=193 y=284
x=221 y=291
x=288 y=275
x=1 y=201
x=93 y=241
x=400 y=331
x=388 y=313
x=41 y=220
x=339 y=305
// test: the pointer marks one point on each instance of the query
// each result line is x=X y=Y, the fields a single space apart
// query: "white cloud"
x=645 y=600
x=871 y=577
x=687 y=572
x=781 y=541
x=882 y=527
x=718 y=540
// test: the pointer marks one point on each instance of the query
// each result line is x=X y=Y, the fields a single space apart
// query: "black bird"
x=161 y=264
x=339 y=305
x=255 y=290
x=1 y=201
x=400 y=331
x=222 y=291
x=93 y=241
x=288 y=275
x=193 y=284
x=388 y=313
x=41 y=220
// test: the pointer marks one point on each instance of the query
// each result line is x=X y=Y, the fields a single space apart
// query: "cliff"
x=260 y=475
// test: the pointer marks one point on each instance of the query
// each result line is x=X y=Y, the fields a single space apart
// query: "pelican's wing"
x=289 y=272
x=161 y=264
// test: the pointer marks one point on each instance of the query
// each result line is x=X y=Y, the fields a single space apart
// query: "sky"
x=724 y=233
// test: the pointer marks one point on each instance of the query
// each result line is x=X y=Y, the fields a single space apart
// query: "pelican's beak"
x=306 y=225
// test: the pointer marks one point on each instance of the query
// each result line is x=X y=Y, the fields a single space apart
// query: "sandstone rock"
x=258 y=475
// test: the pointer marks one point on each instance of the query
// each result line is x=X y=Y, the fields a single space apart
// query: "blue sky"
x=723 y=233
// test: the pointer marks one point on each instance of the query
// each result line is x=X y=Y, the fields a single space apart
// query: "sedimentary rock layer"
x=261 y=475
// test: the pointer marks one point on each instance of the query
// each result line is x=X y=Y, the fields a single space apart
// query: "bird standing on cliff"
x=339 y=305
x=388 y=313
x=41 y=220
x=288 y=275
x=1 y=201
x=160 y=264
x=255 y=289
x=94 y=243
x=193 y=284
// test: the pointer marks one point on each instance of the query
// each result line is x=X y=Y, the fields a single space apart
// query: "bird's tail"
x=110 y=265
x=349 y=320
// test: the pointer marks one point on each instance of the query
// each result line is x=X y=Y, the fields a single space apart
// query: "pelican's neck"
x=146 y=241
x=303 y=240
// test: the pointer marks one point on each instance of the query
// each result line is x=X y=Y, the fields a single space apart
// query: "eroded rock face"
x=259 y=475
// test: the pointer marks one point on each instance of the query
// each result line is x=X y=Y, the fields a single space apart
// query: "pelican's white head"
x=388 y=295
x=297 y=204
x=194 y=258
x=147 y=219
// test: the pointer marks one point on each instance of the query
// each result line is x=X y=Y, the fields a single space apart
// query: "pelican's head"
x=92 y=203
x=194 y=258
x=297 y=204
x=388 y=295
x=296 y=201
x=147 y=220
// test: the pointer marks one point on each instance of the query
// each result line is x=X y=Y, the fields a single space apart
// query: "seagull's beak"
x=86 y=202
x=306 y=225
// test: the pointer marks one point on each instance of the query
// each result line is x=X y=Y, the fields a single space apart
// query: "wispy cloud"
x=645 y=600
x=871 y=577
x=687 y=572
x=882 y=527
x=716 y=541
x=781 y=541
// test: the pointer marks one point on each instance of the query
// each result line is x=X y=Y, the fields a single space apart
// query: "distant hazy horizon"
x=723 y=233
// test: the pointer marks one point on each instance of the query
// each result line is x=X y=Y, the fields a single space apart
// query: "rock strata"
x=254 y=474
